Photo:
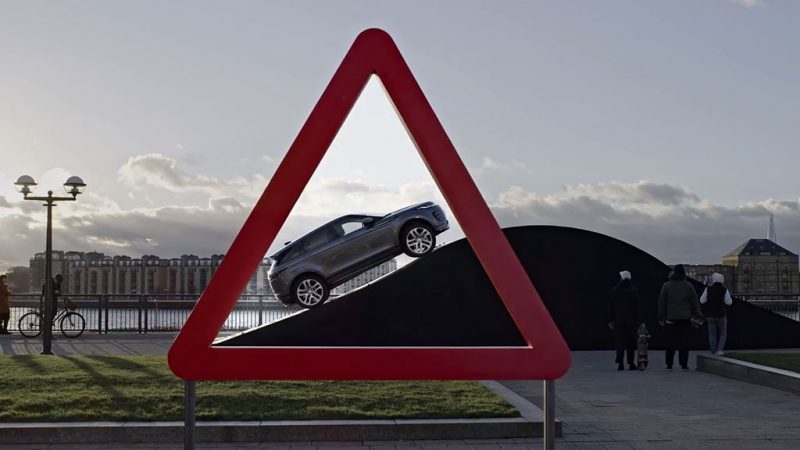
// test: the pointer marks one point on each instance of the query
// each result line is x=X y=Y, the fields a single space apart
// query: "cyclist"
x=56 y=293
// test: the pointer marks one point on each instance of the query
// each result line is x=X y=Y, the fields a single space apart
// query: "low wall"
x=752 y=373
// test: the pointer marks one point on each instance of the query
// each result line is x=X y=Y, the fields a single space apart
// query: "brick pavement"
x=667 y=409
x=600 y=408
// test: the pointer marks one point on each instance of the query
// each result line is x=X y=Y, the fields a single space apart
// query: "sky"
x=670 y=125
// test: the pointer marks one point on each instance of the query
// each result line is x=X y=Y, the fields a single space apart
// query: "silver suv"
x=307 y=269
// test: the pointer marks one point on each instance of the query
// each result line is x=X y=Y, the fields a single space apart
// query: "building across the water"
x=97 y=273
x=759 y=268
x=87 y=273
x=762 y=267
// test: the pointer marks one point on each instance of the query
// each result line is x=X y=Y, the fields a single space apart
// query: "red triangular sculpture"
x=546 y=356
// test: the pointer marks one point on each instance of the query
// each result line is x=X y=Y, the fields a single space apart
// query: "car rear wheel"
x=417 y=239
x=310 y=291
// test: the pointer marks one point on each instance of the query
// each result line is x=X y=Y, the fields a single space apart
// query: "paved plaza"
x=600 y=408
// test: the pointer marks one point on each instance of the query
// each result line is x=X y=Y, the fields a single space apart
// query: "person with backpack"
x=677 y=306
x=716 y=299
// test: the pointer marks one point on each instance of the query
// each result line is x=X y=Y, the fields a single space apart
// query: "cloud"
x=331 y=197
x=668 y=221
x=98 y=223
x=749 y=3
x=642 y=192
x=225 y=204
x=157 y=170
x=154 y=170
x=492 y=165
x=4 y=203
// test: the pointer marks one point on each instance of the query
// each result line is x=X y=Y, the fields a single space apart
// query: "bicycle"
x=71 y=323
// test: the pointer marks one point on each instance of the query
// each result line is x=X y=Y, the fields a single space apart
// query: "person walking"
x=677 y=304
x=5 y=305
x=716 y=299
x=624 y=319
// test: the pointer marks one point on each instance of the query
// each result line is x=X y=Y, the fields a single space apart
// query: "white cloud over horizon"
x=669 y=221
x=157 y=170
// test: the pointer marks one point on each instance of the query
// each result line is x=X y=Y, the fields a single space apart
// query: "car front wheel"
x=310 y=291
x=417 y=239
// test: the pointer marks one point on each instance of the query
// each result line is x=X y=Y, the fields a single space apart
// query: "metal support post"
x=73 y=186
x=188 y=426
x=549 y=414
x=47 y=323
x=260 y=309
x=144 y=304
x=99 y=315
x=105 y=311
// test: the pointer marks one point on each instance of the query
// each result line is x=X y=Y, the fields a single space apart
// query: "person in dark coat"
x=5 y=305
x=715 y=301
x=677 y=304
x=624 y=318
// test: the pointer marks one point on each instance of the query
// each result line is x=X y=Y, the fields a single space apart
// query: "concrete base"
x=273 y=431
x=750 y=372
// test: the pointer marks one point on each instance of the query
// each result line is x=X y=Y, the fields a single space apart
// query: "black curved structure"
x=446 y=299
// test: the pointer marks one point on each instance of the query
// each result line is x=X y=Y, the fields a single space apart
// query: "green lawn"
x=55 y=388
x=786 y=361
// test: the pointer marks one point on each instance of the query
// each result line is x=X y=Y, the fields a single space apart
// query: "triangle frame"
x=546 y=356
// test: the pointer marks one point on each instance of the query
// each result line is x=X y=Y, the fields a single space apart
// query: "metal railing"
x=106 y=313
x=785 y=305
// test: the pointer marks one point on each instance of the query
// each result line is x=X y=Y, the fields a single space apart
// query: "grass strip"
x=785 y=361
x=84 y=388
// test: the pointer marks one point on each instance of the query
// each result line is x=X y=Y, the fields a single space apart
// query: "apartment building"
x=89 y=273
x=97 y=273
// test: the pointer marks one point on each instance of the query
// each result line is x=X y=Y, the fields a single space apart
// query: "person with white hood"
x=624 y=318
x=716 y=299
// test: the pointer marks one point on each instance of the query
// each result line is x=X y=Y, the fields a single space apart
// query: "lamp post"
x=73 y=186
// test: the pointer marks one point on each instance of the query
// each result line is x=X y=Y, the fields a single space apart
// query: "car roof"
x=293 y=243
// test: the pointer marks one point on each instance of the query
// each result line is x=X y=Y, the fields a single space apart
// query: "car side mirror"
x=368 y=222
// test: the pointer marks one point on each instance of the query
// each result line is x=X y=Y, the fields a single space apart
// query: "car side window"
x=351 y=226
x=319 y=239
x=293 y=253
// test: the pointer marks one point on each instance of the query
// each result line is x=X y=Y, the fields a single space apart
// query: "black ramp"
x=446 y=299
